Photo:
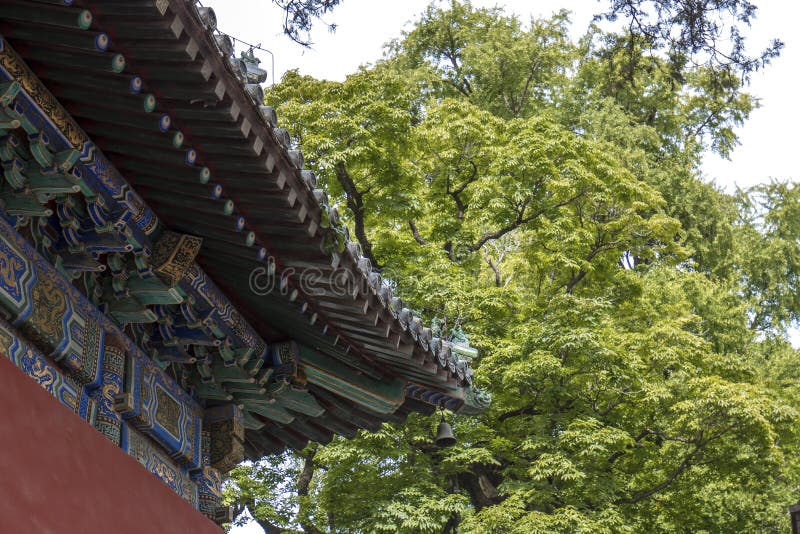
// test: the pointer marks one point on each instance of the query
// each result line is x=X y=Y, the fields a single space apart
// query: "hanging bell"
x=444 y=435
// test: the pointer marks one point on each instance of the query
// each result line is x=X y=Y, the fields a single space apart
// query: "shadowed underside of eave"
x=168 y=110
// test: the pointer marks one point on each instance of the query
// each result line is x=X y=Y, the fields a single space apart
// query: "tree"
x=300 y=17
x=694 y=31
x=769 y=254
x=631 y=319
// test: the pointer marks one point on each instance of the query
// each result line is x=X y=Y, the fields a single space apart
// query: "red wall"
x=58 y=475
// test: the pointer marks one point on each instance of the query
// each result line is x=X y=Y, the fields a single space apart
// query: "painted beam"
x=382 y=397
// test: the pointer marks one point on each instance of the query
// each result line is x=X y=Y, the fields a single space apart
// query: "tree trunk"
x=355 y=201
x=303 y=483
x=481 y=488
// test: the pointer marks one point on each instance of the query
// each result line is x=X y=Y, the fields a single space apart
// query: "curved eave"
x=243 y=193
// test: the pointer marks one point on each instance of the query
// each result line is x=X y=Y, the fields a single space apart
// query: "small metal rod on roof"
x=256 y=47
x=252 y=47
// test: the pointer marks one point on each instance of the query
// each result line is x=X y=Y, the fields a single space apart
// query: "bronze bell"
x=444 y=435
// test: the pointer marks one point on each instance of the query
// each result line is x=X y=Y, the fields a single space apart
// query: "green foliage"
x=266 y=489
x=489 y=58
x=769 y=226
x=631 y=318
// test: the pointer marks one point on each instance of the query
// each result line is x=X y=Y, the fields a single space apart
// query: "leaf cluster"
x=631 y=318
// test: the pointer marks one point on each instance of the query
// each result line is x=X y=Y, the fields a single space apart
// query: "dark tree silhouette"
x=301 y=16
x=703 y=32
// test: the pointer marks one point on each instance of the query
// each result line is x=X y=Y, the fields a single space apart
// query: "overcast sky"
x=768 y=144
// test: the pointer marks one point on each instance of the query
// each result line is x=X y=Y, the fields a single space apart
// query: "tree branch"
x=527 y=410
x=455 y=194
x=699 y=442
x=269 y=527
x=683 y=466
x=355 y=201
x=299 y=16
x=498 y=282
x=415 y=232
x=643 y=434
x=519 y=221
x=524 y=95
x=303 y=483
x=575 y=280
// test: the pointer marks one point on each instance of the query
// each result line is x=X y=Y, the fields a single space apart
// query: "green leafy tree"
x=545 y=197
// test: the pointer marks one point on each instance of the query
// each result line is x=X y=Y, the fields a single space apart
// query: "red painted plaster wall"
x=58 y=475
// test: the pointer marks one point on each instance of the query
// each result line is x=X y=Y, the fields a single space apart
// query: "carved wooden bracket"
x=174 y=255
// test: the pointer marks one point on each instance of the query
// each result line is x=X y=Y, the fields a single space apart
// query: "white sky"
x=363 y=26
x=767 y=145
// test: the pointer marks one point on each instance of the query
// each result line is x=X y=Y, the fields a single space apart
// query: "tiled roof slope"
x=158 y=90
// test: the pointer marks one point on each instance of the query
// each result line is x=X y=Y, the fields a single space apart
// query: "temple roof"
x=159 y=92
